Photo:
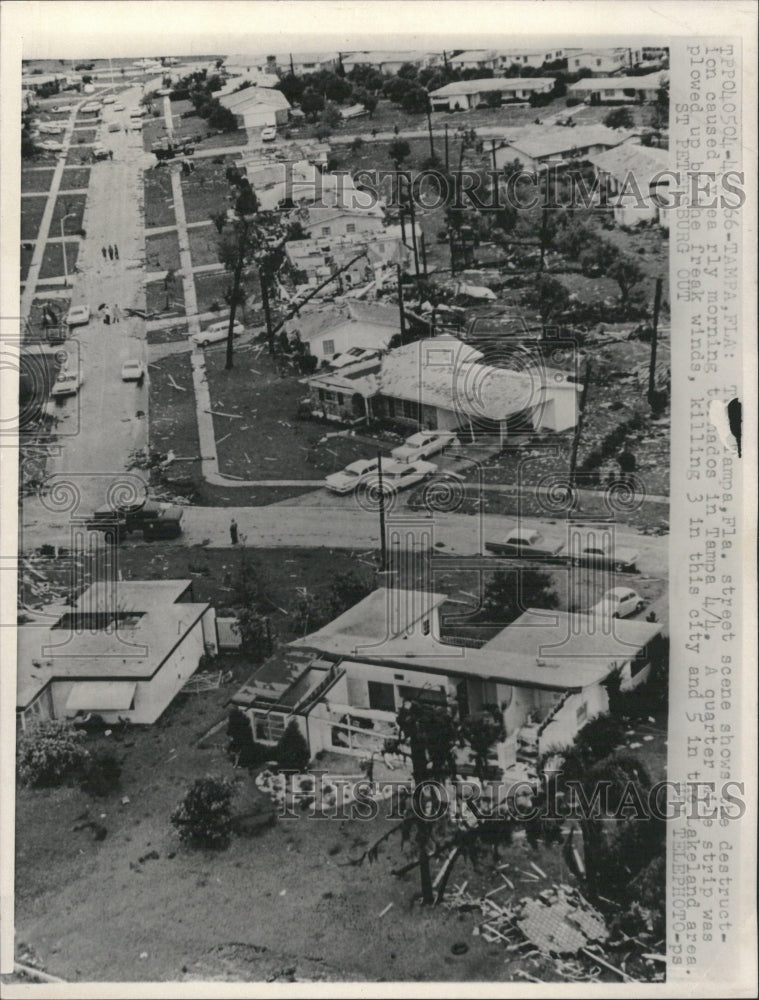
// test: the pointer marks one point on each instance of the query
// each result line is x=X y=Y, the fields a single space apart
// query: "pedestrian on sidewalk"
x=110 y=154
x=105 y=253
x=233 y=531
x=110 y=251
x=116 y=314
x=115 y=251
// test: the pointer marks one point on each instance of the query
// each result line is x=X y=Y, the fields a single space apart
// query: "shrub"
x=101 y=774
x=599 y=737
x=242 y=747
x=292 y=750
x=50 y=753
x=204 y=816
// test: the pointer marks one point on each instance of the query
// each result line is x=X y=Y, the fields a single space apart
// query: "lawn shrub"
x=50 y=753
x=204 y=816
x=101 y=773
x=242 y=748
x=292 y=750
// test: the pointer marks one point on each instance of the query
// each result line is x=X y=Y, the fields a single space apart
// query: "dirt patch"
x=162 y=252
x=75 y=177
x=71 y=205
x=32 y=210
x=204 y=245
x=159 y=200
x=36 y=180
x=52 y=260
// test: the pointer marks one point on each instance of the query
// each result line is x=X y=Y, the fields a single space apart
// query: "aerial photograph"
x=344 y=432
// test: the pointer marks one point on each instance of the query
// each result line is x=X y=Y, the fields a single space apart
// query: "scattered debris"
x=387 y=909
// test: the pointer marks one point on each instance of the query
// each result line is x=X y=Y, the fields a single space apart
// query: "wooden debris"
x=387 y=908
x=538 y=870
x=174 y=385
x=220 y=413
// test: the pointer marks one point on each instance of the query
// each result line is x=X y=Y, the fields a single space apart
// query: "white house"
x=302 y=63
x=388 y=62
x=604 y=61
x=441 y=384
x=340 y=223
x=257 y=107
x=535 y=145
x=334 y=331
x=618 y=89
x=124 y=649
x=635 y=180
x=468 y=94
x=543 y=675
x=475 y=59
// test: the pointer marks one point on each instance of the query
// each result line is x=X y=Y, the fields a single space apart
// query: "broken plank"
x=220 y=413
x=387 y=908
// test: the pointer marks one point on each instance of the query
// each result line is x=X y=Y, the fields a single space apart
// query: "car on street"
x=154 y=520
x=269 y=134
x=132 y=371
x=114 y=127
x=217 y=332
x=109 y=99
x=67 y=383
x=51 y=145
x=78 y=316
x=525 y=543
x=400 y=475
x=619 y=602
x=618 y=558
x=424 y=444
x=351 y=476
x=118 y=107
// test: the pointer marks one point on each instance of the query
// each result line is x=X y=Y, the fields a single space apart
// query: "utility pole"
x=429 y=126
x=492 y=145
x=423 y=248
x=401 y=308
x=264 y=283
x=412 y=214
x=578 y=427
x=453 y=250
x=383 y=539
x=292 y=67
x=654 y=339
x=446 y=147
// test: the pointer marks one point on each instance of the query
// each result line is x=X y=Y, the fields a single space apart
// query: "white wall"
x=565 y=725
x=350 y=335
x=559 y=413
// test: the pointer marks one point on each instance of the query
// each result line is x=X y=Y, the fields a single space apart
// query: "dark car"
x=120 y=521
x=168 y=524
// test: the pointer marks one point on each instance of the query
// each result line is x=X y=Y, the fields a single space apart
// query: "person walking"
x=110 y=251
x=116 y=314
x=115 y=251
x=233 y=531
x=105 y=253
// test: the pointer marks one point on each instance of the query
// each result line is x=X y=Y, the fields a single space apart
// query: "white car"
x=109 y=99
x=132 y=371
x=400 y=475
x=67 y=384
x=269 y=134
x=424 y=444
x=78 y=316
x=119 y=107
x=351 y=476
x=49 y=144
x=619 y=602
x=216 y=332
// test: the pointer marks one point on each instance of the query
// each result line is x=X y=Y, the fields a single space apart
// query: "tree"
x=292 y=87
x=619 y=118
x=493 y=98
x=398 y=151
x=660 y=111
x=548 y=296
x=292 y=750
x=627 y=273
x=204 y=816
x=509 y=593
x=311 y=103
x=50 y=753
x=407 y=71
x=482 y=730
x=331 y=115
x=366 y=99
x=242 y=748
x=414 y=100
x=252 y=628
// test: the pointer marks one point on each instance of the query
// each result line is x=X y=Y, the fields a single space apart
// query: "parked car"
x=351 y=476
x=118 y=107
x=155 y=520
x=132 y=371
x=621 y=559
x=618 y=603
x=269 y=134
x=424 y=444
x=109 y=99
x=400 y=475
x=216 y=332
x=78 y=316
x=67 y=383
x=168 y=524
x=524 y=543
x=100 y=153
x=114 y=127
x=51 y=145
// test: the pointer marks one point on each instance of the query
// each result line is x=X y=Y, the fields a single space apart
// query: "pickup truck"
x=523 y=543
x=621 y=559
x=153 y=519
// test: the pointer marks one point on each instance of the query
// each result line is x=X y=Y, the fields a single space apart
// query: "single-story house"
x=635 y=181
x=123 y=650
x=257 y=107
x=544 y=675
x=318 y=258
x=246 y=62
x=468 y=94
x=321 y=221
x=334 y=330
x=344 y=390
x=527 y=57
x=441 y=384
x=306 y=62
x=475 y=59
x=388 y=62
x=600 y=61
x=535 y=145
x=617 y=89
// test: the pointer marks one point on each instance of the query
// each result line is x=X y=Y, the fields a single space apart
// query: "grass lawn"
x=159 y=201
x=153 y=129
x=206 y=190
x=75 y=178
x=61 y=306
x=84 y=136
x=25 y=260
x=52 y=260
x=70 y=204
x=155 y=297
x=210 y=289
x=204 y=245
x=162 y=252
x=168 y=335
x=36 y=180
x=78 y=155
x=32 y=210
x=173 y=423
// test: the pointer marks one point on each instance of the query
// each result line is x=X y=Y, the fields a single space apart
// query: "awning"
x=101 y=696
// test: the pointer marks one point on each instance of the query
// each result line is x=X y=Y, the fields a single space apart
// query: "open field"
x=206 y=190
x=173 y=423
x=210 y=288
x=78 y=155
x=32 y=210
x=159 y=201
x=204 y=242
x=26 y=254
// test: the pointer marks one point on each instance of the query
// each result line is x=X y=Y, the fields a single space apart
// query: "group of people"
x=110 y=314
x=111 y=251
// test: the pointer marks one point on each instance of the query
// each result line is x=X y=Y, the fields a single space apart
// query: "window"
x=381 y=696
x=350 y=227
x=598 y=62
x=326 y=231
x=582 y=713
x=436 y=696
x=328 y=347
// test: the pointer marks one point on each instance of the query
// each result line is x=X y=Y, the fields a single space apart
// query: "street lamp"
x=71 y=215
